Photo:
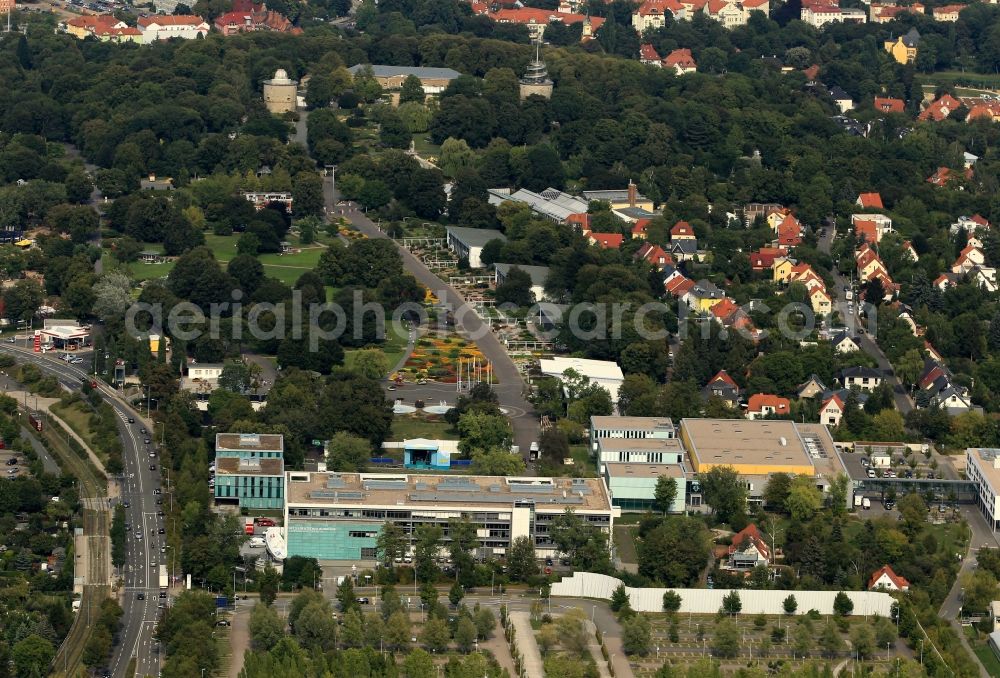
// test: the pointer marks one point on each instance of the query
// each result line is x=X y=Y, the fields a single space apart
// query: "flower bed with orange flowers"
x=438 y=358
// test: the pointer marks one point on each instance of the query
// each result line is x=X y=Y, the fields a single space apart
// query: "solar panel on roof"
x=326 y=494
x=384 y=484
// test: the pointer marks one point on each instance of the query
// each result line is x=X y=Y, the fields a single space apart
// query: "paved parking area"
x=6 y=467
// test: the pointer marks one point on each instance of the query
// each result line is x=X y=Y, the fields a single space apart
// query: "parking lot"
x=857 y=470
x=9 y=469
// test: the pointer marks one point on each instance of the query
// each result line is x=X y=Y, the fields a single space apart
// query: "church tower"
x=536 y=78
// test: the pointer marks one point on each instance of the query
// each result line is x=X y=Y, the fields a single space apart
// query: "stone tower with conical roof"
x=536 y=78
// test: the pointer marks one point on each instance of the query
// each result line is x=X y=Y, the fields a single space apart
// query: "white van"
x=866 y=503
x=857 y=500
x=257 y=543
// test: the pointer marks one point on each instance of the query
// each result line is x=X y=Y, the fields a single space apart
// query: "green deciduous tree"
x=637 y=635
x=724 y=491
x=675 y=552
x=346 y=452
x=731 y=603
x=521 y=563
x=665 y=493
x=266 y=628
x=726 y=642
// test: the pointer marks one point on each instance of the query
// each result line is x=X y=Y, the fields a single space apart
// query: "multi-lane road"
x=137 y=485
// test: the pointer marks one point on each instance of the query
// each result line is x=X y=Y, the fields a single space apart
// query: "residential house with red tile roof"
x=581 y=221
x=748 y=549
x=649 y=56
x=722 y=386
x=537 y=19
x=103 y=27
x=871 y=201
x=866 y=230
x=678 y=286
x=763 y=259
x=811 y=72
x=940 y=108
x=968 y=259
x=762 y=405
x=608 y=241
x=789 y=235
x=831 y=411
x=883 y=14
x=909 y=252
x=682 y=231
x=872 y=227
x=652 y=14
x=885 y=578
x=165 y=26
x=247 y=17
x=655 y=255
x=947 y=12
x=734 y=14
x=889 y=105
x=983 y=109
x=731 y=315
x=681 y=61
x=945 y=176
x=640 y=227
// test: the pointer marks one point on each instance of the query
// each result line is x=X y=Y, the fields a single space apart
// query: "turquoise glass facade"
x=328 y=540
x=252 y=491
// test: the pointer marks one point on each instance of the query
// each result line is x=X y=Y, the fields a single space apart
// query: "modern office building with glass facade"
x=338 y=516
x=250 y=470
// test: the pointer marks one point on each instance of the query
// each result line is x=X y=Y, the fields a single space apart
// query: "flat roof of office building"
x=250 y=442
x=741 y=442
x=435 y=491
x=622 y=470
x=594 y=369
x=985 y=457
x=652 y=444
x=631 y=423
x=235 y=466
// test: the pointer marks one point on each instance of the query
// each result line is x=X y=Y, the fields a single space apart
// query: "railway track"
x=93 y=493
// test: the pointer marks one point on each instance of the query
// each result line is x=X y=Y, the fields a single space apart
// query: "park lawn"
x=432 y=427
x=424 y=147
x=222 y=246
x=141 y=271
x=285 y=267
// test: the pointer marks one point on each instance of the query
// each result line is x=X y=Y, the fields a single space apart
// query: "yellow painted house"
x=867 y=269
x=703 y=296
x=904 y=48
x=782 y=269
x=821 y=302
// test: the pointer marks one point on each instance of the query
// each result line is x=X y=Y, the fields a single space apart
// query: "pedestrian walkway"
x=524 y=639
x=411 y=342
x=595 y=650
x=497 y=645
